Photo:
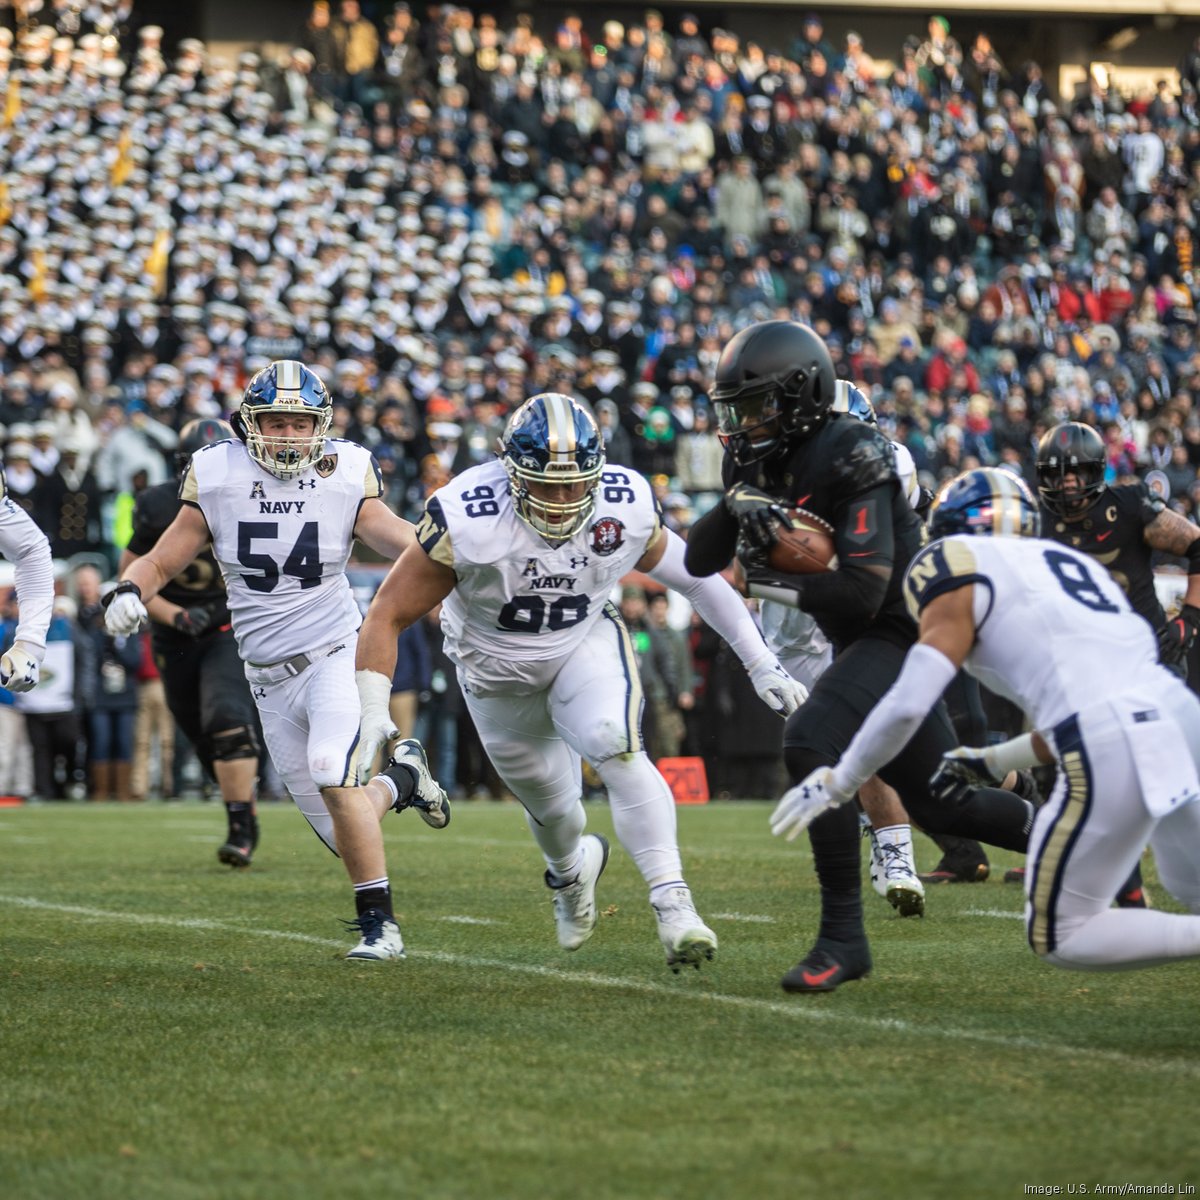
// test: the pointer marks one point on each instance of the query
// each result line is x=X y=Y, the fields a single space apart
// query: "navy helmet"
x=1070 y=449
x=853 y=400
x=774 y=385
x=988 y=501
x=552 y=440
x=195 y=435
x=285 y=386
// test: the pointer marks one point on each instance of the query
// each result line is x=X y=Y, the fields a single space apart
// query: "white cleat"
x=685 y=937
x=575 y=902
x=380 y=936
x=894 y=876
x=428 y=796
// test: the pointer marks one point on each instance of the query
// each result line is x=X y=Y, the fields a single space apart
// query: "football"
x=805 y=546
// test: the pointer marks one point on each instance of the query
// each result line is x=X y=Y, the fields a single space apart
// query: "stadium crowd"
x=444 y=216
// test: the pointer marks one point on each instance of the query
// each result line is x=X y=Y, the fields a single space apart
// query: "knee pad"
x=233 y=744
x=607 y=739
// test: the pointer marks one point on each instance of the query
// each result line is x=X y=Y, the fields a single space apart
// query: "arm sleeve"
x=711 y=542
x=26 y=547
x=892 y=722
x=713 y=599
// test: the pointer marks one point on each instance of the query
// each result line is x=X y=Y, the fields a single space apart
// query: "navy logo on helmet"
x=608 y=536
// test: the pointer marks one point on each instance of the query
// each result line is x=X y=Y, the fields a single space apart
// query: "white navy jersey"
x=522 y=603
x=1054 y=632
x=283 y=544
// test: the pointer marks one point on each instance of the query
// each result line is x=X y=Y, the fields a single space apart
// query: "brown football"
x=805 y=546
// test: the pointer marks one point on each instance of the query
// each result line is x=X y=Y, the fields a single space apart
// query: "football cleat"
x=827 y=966
x=1133 y=897
x=685 y=937
x=1015 y=875
x=380 y=936
x=575 y=900
x=428 y=797
x=239 y=845
x=894 y=877
x=963 y=861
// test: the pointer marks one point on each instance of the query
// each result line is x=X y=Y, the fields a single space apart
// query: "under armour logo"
x=260 y=693
x=307 y=483
x=576 y=563
x=256 y=492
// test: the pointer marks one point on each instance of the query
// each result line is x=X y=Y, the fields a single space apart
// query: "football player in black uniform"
x=1120 y=526
x=773 y=394
x=197 y=656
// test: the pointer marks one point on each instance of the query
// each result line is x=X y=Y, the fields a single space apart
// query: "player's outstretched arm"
x=382 y=530
x=1173 y=534
x=144 y=577
x=413 y=586
x=26 y=547
x=721 y=606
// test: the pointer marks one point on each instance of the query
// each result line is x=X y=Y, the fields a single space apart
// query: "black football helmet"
x=198 y=433
x=774 y=384
x=1070 y=449
x=988 y=502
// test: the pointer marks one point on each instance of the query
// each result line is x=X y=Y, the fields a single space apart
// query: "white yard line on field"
x=802 y=1010
x=994 y=912
x=745 y=918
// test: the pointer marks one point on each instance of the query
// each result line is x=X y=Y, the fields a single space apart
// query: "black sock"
x=836 y=854
x=375 y=894
x=405 y=780
x=240 y=814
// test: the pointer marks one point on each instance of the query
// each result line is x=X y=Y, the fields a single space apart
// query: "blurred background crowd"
x=444 y=213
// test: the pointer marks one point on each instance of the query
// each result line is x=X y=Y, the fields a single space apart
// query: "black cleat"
x=240 y=843
x=1015 y=875
x=954 y=871
x=827 y=966
x=1134 y=897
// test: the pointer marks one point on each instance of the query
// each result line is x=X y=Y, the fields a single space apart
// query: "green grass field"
x=172 y=1028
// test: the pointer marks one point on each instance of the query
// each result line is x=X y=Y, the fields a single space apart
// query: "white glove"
x=804 y=803
x=775 y=687
x=18 y=669
x=125 y=614
x=376 y=727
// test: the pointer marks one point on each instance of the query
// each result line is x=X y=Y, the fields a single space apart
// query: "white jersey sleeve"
x=26 y=547
x=283 y=544
x=522 y=603
x=906 y=470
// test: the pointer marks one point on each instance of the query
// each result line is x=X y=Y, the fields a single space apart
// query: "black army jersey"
x=199 y=584
x=830 y=474
x=1112 y=533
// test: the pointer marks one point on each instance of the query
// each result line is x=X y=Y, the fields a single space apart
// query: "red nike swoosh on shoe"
x=1100 y=537
x=861 y=554
x=821 y=976
x=800 y=502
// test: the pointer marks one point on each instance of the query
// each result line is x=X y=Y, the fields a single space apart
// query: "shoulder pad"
x=860 y=457
x=940 y=567
x=433 y=533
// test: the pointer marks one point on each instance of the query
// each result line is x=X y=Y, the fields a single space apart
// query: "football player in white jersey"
x=26 y=547
x=282 y=506
x=524 y=552
x=805 y=652
x=1041 y=624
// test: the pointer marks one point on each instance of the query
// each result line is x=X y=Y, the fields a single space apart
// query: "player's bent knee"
x=802 y=761
x=608 y=739
x=232 y=744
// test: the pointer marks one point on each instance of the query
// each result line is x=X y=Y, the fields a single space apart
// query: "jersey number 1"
x=303 y=563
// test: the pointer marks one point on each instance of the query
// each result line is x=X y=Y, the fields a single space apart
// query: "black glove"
x=1175 y=638
x=193 y=621
x=741 y=500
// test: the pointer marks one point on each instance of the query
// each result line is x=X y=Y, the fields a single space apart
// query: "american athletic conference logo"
x=608 y=535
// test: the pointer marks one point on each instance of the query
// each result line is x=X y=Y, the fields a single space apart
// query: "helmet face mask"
x=986 y=502
x=282 y=388
x=1070 y=469
x=554 y=455
x=774 y=384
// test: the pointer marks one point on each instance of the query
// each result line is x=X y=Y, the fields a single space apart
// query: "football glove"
x=376 y=727
x=18 y=669
x=1175 y=638
x=960 y=772
x=804 y=803
x=741 y=500
x=758 y=531
x=124 y=612
x=193 y=621
x=775 y=687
